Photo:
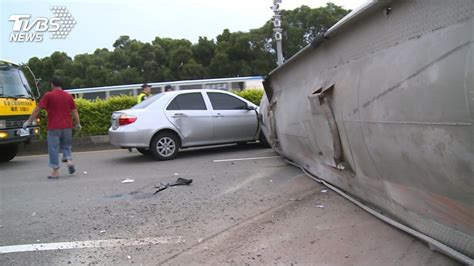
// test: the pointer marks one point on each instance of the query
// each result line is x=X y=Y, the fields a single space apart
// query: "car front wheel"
x=164 y=146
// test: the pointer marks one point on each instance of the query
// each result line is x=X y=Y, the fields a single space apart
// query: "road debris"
x=161 y=187
x=182 y=181
x=179 y=182
x=85 y=172
x=320 y=206
x=128 y=180
x=324 y=191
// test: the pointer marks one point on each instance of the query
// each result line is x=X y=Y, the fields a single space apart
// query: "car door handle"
x=178 y=114
x=218 y=115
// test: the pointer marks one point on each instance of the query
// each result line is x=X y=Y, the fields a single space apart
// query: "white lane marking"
x=78 y=152
x=246 y=159
x=90 y=244
x=247 y=181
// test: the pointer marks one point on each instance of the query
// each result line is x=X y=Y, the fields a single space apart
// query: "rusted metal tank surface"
x=382 y=106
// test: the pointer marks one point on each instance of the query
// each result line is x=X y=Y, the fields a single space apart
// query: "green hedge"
x=253 y=95
x=95 y=115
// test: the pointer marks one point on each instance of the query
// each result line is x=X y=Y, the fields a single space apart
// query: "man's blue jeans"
x=59 y=140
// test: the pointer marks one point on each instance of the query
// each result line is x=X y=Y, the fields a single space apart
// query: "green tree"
x=77 y=83
x=204 y=51
x=220 y=65
x=303 y=24
x=122 y=42
x=178 y=57
x=192 y=70
x=95 y=75
x=231 y=54
x=129 y=76
x=150 y=70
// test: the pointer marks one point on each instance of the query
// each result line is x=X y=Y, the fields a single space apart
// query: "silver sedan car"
x=166 y=122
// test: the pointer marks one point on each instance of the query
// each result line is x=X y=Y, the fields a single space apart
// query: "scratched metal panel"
x=403 y=101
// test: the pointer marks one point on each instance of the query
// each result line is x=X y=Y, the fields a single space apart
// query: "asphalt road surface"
x=246 y=211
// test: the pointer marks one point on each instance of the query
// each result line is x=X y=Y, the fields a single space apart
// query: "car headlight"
x=3 y=124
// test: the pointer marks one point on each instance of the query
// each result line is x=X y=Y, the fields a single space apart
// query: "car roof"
x=9 y=62
x=196 y=90
x=171 y=94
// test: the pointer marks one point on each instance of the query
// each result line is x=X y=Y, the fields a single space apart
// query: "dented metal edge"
x=354 y=15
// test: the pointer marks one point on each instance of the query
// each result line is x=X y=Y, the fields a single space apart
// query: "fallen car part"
x=179 y=182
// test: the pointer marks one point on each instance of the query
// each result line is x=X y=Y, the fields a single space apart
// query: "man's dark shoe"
x=71 y=169
x=53 y=177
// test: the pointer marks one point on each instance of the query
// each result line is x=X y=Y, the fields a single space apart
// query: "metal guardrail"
x=176 y=84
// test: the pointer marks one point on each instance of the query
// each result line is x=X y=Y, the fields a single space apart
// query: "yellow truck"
x=16 y=105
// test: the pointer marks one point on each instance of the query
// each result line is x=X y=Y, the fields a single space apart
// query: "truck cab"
x=17 y=102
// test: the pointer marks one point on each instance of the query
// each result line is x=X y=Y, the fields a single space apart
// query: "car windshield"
x=148 y=101
x=13 y=82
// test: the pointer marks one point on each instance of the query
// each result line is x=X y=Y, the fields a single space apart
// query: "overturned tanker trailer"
x=381 y=108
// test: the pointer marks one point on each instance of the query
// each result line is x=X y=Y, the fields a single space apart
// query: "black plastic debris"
x=161 y=187
x=179 y=182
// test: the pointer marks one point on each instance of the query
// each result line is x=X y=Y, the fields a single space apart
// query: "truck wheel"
x=164 y=146
x=8 y=152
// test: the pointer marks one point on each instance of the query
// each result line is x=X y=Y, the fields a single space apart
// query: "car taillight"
x=127 y=119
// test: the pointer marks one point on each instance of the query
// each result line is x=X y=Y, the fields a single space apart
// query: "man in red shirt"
x=59 y=105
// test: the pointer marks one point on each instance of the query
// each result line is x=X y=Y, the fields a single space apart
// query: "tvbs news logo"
x=27 y=29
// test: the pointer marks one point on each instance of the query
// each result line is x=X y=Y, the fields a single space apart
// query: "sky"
x=100 y=23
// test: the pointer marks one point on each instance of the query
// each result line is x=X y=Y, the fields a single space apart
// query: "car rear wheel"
x=144 y=151
x=164 y=146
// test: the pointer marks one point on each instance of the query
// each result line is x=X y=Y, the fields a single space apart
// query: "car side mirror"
x=250 y=107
